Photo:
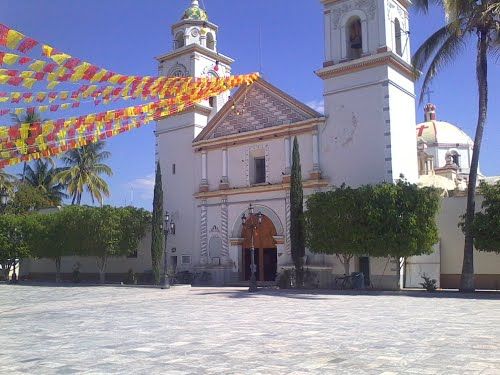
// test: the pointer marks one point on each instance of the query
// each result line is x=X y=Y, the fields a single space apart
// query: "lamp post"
x=251 y=224
x=169 y=228
x=4 y=197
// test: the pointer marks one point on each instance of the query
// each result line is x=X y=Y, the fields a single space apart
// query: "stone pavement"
x=120 y=330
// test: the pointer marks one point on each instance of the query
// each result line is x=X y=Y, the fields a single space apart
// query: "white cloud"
x=317 y=105
x=143 y=187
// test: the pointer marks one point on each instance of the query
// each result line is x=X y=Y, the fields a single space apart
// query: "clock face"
x=195 y=33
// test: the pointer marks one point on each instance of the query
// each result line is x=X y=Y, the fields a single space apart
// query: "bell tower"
x=368 y=92
x=194 y=54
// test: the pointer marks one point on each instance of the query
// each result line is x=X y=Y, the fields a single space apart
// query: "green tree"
x=41 y=175
x=157 y=236
x=106 y=232
x=466 y=20
x=13 y=244
x=54 y=235
x=7 y=182
x=402 y=220
x=297 y=239
x=486 y=225
x=26 y=199
x=336 y=223
x=84 y=167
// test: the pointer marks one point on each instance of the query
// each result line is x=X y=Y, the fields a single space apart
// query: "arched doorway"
x=266 y=254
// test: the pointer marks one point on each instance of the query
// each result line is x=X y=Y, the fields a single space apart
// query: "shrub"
x=429 y=284
x=131 y=277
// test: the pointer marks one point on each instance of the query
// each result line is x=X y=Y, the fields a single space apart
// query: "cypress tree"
x=157 y=237
x=296 y=215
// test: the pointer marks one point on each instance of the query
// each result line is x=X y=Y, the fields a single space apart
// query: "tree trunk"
x=6 y=271
x=102 y=277
x=467 y=279
x=101 y=266
x=346 y=262
x=57 y=260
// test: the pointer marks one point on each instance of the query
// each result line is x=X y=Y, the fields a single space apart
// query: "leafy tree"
x=28 y=198
x=402 y=220
x=84 y=167
x=157 y=236
x=296 y=215
x=54 y=235
x=7 y=182
x=336 y=223
x=13 y=244
x=41 y=176
x=466 y=20
x=486 y=225
x=110 y=232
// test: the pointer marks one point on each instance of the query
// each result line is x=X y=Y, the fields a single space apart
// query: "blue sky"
x=126 y=35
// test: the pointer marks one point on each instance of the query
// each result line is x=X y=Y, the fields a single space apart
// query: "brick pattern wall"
x=258 y=109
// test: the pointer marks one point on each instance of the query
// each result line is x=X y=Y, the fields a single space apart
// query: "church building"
x=228 y=152
x=222 y=156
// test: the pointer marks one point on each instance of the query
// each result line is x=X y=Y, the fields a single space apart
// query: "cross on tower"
x=428 y=92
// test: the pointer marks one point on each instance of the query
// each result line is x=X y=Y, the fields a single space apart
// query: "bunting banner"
x=30 y=141
x=27 y=142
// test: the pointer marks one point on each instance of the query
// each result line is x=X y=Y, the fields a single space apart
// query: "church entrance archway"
x=266 y=253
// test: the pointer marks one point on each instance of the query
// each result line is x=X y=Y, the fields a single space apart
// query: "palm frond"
x=445 y=55
x=431 y=45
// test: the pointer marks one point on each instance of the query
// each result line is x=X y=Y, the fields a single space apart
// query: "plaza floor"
x=59 y=330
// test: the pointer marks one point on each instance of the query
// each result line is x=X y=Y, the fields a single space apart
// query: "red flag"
x=27 y=45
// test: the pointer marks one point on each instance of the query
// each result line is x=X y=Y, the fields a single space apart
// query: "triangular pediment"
x=256 y=107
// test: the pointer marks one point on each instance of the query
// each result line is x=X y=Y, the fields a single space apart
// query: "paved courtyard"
x=46 y=330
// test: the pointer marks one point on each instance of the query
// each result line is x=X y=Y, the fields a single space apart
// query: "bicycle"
x=343 y=282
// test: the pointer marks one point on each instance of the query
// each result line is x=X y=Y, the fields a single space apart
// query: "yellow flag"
x=47 y=50
x=14 y=38
x=37 y=66
x=10 y=58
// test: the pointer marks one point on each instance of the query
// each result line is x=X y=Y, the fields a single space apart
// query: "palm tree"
x=42 y=176
x=466 y=20
x=83 y=169
x=7 y=181
x=31 y=117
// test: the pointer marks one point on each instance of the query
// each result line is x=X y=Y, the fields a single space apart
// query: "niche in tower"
x=354 y=34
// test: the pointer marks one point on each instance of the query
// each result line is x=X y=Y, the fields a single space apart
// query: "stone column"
x=288 y=248
x=316 y=172
x=225 y=235
x=204 y=179
x=286 y=177
x=204 y=233
x=224 y=183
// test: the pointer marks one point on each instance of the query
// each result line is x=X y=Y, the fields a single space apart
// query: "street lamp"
x=169 y=228
x=4 y=197
x=252 y=224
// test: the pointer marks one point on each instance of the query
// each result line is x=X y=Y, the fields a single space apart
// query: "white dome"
x=442 y=133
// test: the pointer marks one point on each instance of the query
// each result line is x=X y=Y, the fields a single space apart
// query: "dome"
x=194 y=12
x=441 y=132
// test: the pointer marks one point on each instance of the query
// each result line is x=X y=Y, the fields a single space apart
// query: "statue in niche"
x=355 y=39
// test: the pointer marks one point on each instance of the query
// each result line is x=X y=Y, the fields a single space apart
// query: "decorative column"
x=225 y=235
x=204 y=233
x=288 y=248
x=204 y=179
x=224 y=182
x=286 y=177
x=316 y=172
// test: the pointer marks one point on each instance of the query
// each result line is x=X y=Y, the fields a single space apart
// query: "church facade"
x=229 y=152
x=222 y=155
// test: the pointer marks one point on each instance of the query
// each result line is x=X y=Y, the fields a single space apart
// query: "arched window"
x=179 y=40
x=397 y=33
x=210 y=41
x=456 y=158
x=354 y=38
